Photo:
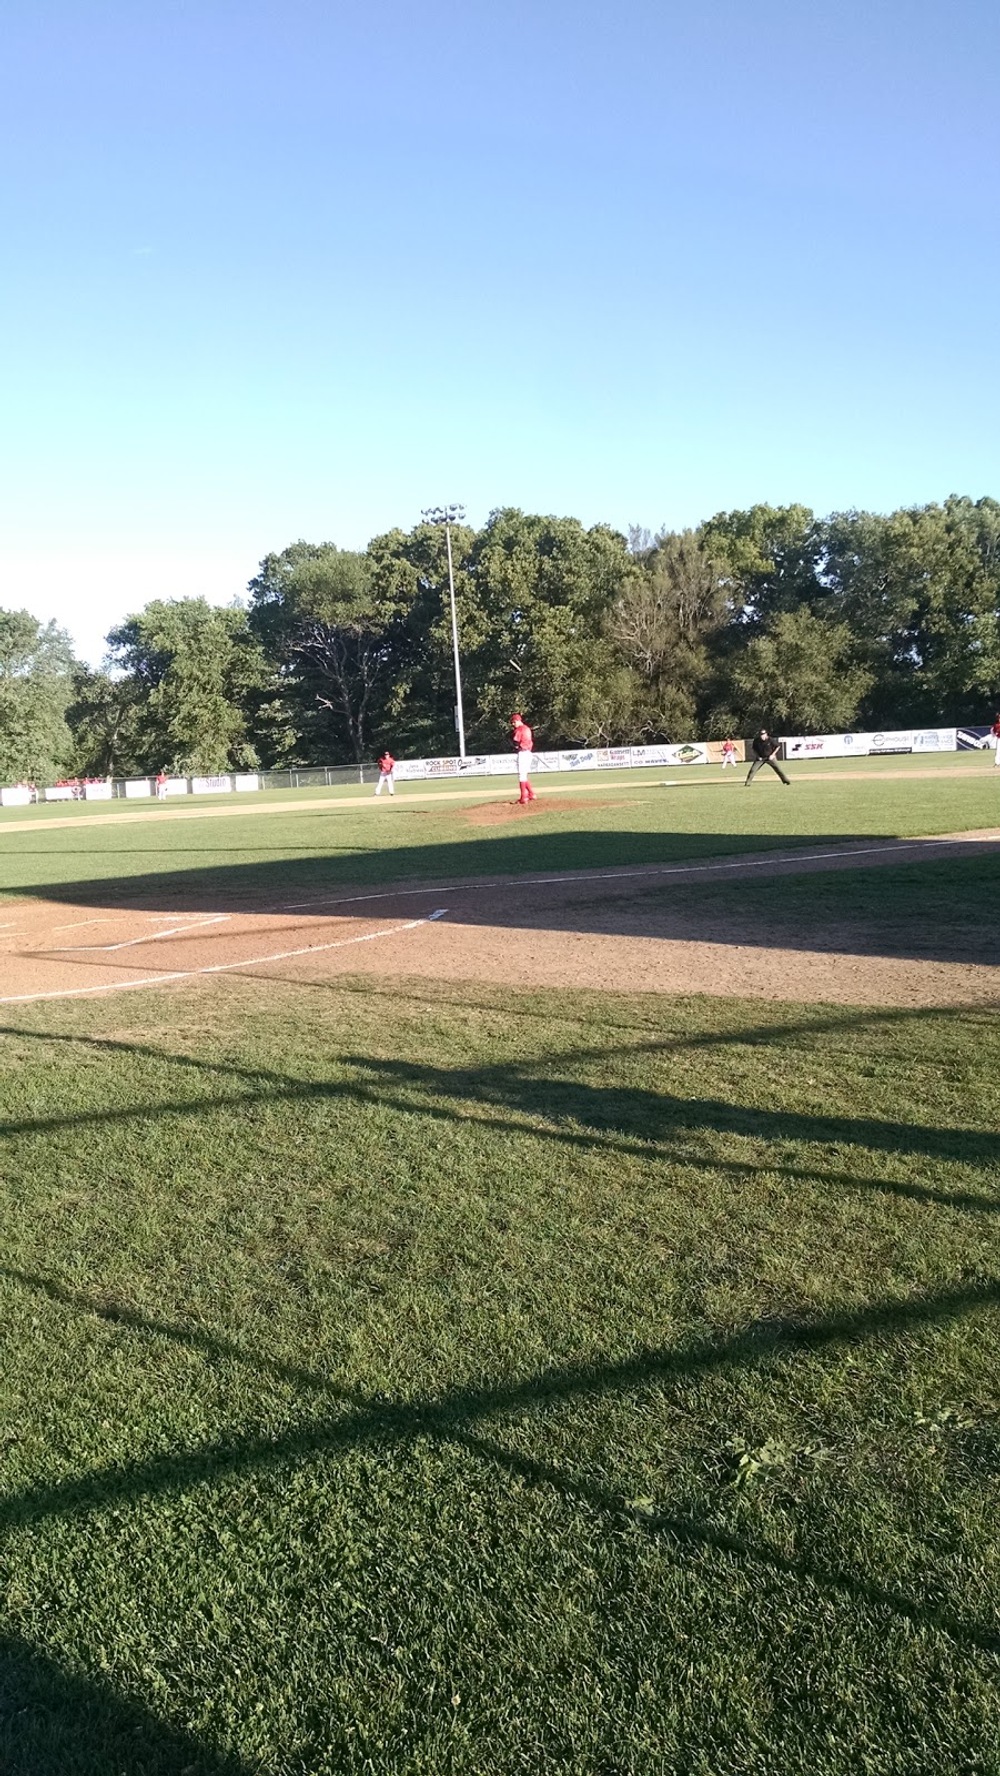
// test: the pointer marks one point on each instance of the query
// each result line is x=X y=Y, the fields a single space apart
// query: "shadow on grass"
x=574 y=1114
x=451 y=1418
x=658 y=1117
x=58 y=1723
x=653 y=884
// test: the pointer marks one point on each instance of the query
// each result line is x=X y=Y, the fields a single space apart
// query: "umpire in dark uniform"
x=764 y=751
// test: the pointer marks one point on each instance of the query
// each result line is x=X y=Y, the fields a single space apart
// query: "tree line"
x=770 y=615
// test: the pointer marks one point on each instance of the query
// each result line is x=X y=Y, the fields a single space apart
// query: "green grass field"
x=406 y=1377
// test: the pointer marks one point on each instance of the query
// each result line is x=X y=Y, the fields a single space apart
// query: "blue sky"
x=299 y=270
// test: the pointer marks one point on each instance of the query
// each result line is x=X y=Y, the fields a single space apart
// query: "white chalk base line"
x=158 y=980
x=568 y=877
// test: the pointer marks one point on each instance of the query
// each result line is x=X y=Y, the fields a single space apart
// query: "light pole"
x=449 y=515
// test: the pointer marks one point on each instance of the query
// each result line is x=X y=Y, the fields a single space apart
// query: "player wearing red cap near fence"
x=524 y=742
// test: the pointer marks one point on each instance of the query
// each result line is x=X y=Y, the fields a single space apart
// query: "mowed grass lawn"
x=405 y=1377
x=174 y=856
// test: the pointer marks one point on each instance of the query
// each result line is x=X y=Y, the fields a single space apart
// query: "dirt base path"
x=608 y=930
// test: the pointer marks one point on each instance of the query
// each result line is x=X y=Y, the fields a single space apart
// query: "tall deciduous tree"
x=334 y=645
x=410 y=582
x=545 y=589
x=920 y=590
x=769 y=556
x=195 y=673
x=666 y=623
x=104 y=720
x=798 y=676
x=36 y=666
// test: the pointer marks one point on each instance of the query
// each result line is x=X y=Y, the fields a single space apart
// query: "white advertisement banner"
x=17 y=797
x=475 y=765
x=651 y=755
x=813 y=746
x=61 y=792
x=138 y=786
x=211 y=785
x=935 y=740
x=572 y=761
x=245 y=780
x=890 y=740
x=176 y=786
x=97 y=792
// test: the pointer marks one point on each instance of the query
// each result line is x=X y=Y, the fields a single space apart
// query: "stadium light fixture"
x=449 y=515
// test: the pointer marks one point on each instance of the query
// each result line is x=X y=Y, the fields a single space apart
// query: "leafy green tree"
x=769 y=557
x=410 y=582
x=103 y=719
x=335 y=645
x=667 y=623
x=920 y=590
x=545 y=590
x=36 y=665
x=196 y=675
x=798 y=676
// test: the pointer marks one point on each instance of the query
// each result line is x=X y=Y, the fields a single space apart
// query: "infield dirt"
x=614 y=931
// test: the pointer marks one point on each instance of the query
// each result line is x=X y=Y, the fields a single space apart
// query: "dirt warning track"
x=607 y=930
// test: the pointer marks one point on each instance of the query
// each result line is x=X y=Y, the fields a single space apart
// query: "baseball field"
x=494 y=1291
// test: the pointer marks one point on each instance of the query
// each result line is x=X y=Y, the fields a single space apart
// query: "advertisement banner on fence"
x=935 y=740
x=714 y=750
x=97 y=792
x=211 y=785
x=690 y=754
x=651 y=755
x=243 y=780
x=974 y=740
x=820 y=746
x=891 y=740
x=176 y=786
x=19 y=796
x=474 y=765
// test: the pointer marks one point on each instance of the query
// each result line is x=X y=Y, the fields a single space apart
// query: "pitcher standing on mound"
x=524 y=741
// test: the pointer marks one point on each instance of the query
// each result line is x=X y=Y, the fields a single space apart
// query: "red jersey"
x=524 y=739
x=386 y=763
x=995 y=729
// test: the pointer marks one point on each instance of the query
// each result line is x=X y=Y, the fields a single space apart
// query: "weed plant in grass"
x=416 y=1378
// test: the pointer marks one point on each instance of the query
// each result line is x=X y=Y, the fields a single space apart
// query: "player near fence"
x=995 y=736
x=524 y=744
x=386 y=774
x=764 y=749
x=729 y=753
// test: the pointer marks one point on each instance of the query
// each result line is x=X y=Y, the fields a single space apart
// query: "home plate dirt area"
x=606 y=930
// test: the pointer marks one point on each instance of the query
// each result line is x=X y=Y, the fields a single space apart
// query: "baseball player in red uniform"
x=524 y=742
x=386 y=780
x=995 y=732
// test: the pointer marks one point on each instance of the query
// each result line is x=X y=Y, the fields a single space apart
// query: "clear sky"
x=302 y=268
